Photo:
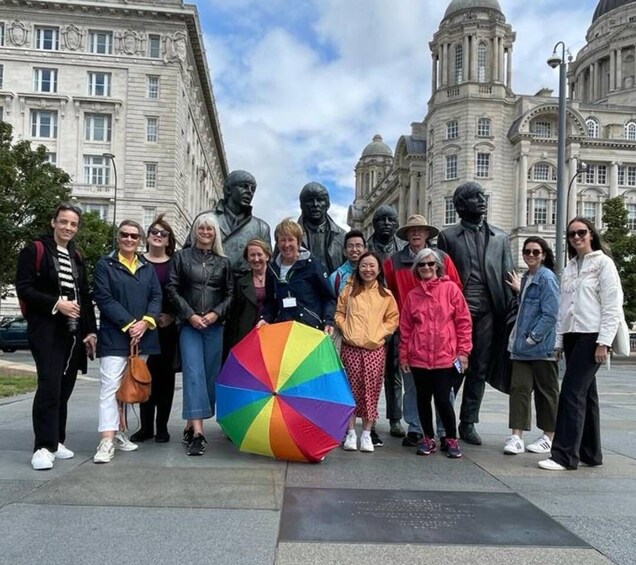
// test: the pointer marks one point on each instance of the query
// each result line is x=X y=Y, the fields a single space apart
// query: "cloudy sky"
x=303 y=85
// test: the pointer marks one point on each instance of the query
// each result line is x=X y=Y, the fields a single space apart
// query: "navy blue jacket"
x=307 y=282
x=123 y=298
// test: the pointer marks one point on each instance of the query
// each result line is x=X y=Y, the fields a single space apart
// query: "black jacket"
x=41 y=291
x=244 y=313
x=200 y=283
x=123 y=298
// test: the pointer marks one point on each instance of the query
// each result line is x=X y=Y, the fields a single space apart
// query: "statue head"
x=470 y=202
x=385 y=223
x=314 y=203
x=238 y=190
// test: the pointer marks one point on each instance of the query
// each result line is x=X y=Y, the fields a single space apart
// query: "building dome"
x=606 y=6
x=377 y=148
x=460 y=5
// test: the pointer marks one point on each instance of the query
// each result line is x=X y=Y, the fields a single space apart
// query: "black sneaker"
x=412 y=439
x=443 y=444
x=197 y=445
x=188 y=436
x=376 y=439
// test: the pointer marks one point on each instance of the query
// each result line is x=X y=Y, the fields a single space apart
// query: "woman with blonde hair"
x=200 y=287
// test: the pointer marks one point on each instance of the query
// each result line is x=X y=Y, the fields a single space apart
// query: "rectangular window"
x=51 y=158
x=631 y=176
x=631 y=216
x=1 y=34
x=44 y=124
x=589 y=211
x=1 y=76
x=483 y=165
x=100 y=209
x=153 y=87
x=99 y=84
x=47 y=38
x=541 y=171
x=149 y=215
x=450 y=215
x=152 y=130
x=621 y=175
x=451 y=167
x=590 y=174
x=540 y=211
x=151 y=175
x=154 y=46
x=483 y=127
x=97 y=127
x=452 y=130
x=96 y=170
x=542 y=129
x=601 y=174
x=100 y=42
x=45 y=80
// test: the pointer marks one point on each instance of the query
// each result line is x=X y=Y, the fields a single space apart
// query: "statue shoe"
x=469 y=434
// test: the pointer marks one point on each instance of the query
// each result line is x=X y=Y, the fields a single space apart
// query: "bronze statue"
x=322 y=236
x=237 y=225
x=383 y=240
x=482 y=255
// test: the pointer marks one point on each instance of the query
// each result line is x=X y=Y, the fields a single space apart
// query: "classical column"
x=598 y=87
x=572 y=189
x=613 y=186
x=474 y=55
x=509 y=70
x=422 y=197
x=466 y=61
x=501 y=60
x=619 y=69
x=612 y=84
x=495 y=60
x=402 y=212
x=434 y=73
x=413 y=194
x=522 y=201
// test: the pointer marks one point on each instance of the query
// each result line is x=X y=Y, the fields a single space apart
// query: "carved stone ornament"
x=130 y=42
x=17 y=33
x=176 y=47
x=72 y=37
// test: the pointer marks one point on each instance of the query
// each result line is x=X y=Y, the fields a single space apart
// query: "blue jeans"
x=409 y=404
x=201 y=362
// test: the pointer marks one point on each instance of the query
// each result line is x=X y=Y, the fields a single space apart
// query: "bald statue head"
x=314 y=203
x=238 y=190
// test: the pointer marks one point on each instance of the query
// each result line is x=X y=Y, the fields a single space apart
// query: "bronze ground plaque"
x=398 y=516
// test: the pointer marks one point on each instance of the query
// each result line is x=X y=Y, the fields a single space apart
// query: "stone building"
x=119 y=93
x=478 y=129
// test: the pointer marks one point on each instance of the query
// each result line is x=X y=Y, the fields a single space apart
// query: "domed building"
x=478 y=129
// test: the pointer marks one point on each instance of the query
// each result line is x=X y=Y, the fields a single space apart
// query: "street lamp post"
x=559 y=61
x=580 y=169
x=112 y=160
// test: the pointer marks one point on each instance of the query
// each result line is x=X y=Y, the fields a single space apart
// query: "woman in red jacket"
x=435 y=329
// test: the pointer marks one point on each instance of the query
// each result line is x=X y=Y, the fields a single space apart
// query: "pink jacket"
x=435 y=325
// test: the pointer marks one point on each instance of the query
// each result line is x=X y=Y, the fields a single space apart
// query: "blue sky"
x=303 y=85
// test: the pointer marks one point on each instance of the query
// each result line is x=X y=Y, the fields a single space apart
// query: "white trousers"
x=111 y=371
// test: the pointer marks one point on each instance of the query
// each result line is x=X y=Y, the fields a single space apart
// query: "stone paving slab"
x=152 y=486
x=12 y=491
x=379 y=554
x=133 y=536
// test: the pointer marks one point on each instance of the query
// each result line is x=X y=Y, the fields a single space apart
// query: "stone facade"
x=123 y=77
x=478 y=129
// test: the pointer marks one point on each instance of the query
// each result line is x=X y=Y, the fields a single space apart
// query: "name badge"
x=289 y=302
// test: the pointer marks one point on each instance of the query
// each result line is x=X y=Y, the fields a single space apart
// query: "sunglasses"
x=577 y=233
x=161 y=233
x=128 y=235
x=429 y=264
x=533 y=252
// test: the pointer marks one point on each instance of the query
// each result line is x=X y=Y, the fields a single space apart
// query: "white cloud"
x=302 y=86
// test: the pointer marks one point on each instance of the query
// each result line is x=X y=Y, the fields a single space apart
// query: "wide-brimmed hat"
x=416 y=221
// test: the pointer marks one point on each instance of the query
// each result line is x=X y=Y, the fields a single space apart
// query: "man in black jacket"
x=51 y=284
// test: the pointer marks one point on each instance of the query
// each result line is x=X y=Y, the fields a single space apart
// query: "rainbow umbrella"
x=283 y=392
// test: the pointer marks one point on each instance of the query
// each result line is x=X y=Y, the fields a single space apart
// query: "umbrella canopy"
x=283 y=393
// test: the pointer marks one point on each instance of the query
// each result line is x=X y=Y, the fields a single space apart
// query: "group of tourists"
x=419 y=320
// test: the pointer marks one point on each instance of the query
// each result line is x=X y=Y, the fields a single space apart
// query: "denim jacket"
x=534 y=334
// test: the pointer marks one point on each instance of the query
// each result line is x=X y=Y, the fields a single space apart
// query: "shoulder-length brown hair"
x=358 y=283
x=597 y=241
x=164 y=225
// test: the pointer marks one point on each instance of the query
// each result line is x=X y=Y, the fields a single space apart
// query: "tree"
x=94 y=240
x=623 y=247
x=30 y=189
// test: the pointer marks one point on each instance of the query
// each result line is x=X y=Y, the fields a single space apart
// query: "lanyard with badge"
x=289 y=301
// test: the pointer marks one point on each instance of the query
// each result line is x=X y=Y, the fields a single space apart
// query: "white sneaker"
x=351 y=441
x=105 y=451
x=63 y=452
x=366 y=444
x=120 y=441
x=42 y=460
x=542 y=444
x=550 y=465
x=513 y=445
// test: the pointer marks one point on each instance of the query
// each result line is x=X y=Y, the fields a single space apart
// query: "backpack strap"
x=337 y=284
x=39 y=256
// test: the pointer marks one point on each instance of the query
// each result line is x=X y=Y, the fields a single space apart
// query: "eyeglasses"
x=128 y=235
x=429 y=264
x=162 y=233
x=533 y=252
x=355 y=246
x=577 y=233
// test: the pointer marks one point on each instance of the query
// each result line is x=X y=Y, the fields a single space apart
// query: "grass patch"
x=14 y=385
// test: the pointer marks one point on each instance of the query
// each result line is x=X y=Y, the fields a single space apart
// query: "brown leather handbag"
x=135 y=384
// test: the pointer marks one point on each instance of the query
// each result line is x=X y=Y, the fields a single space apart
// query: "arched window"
x=482 y=58
x=592 y=128
x=630 y=131
x=459 y=63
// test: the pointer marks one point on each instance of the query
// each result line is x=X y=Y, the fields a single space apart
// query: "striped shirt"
x=67 y=283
